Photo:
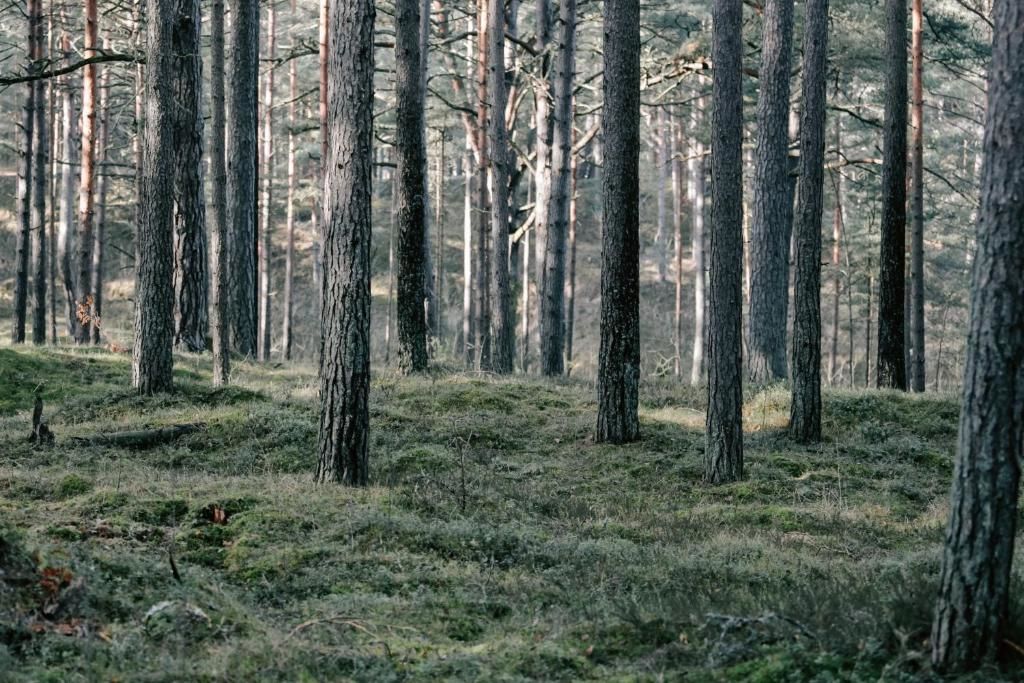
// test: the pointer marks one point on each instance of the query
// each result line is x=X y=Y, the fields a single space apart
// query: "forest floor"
x=496 y=541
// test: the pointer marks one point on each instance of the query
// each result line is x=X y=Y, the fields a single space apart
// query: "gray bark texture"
x=892 y=370
x=773 y=206
x=220 y=310
x=723 y=450
x=41 y=152
x=343 y=442
x=410 y=197
x=805 y=408
x=191 y=270
x=242 y=153
x=618 y=377
x=917 y=201
x=152 y=358
x=23 y=199
x=974 y=586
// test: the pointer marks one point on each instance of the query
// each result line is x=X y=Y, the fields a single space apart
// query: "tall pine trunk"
x=102 y=189
x=220 y=324
x=343 y=442
x=40 y=171
x=87 y=179
x=152 y=358
x=266 y=176
x=974 y=586
x=289 y=254
x=482 y=274
x=917 y=202
x=618 y=377
x=695 y=190
x=805 y=410
x=66 y=237
x=723 y=450
x=23 y=201
x=543 y=172
x=891 y=279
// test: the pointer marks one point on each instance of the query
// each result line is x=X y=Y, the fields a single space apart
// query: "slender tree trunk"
x=439 y=221
x=525 y=312
x=664 y=160
x=570 y=285
x=267 y=177
x=430 y=295
x=867 y=329
x=723 y=456
x=891 y=360
x=51 y=87
x=696 y=191
x=503 y=325
x=543 y=172
x=974 y=587
x=389 y=315
x=805 y=411
x=40 y=169
x=837 y=228
x=289 y=254
x=483 y=260
x=917 y=203
x=152 y=358
x=411 y=210
x=552 y=341
x=221 y=232
x=618 y=377
x=773 y=207
x=677 y=229
x=87 y=179
x=191 y=268
x=468 y=314
x=66 y=238
x=242 y=104
x=102 y=182
x=23 y=208
x=343 y=443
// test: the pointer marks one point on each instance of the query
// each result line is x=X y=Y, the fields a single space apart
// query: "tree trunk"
x=570 y=284
x=723 y=456
x=663 y=161
x=867 y=328
x=266 y=246
x=695 y=189
x=221 y=233
x=503 y=325
x=102 y=185
x=891 y=359
x=242 y=104
x=837 y=231
x=23 y=208
x=191 y=276
x=675 y=132
x=439 y=262
x=483 y=260
x=152 y=358
x=410 y=182
x=66 y=237
x=468 y=314
x=773 y=206
x=40 y=163
x=51 y=87
x=974 y=586
x=87 y=179
x=543 y=172
x=917 y=204
x=430 y=296
x=552 y=340
x=343 y=443
x=805 y=410
x=289 y=254
x=618 y=378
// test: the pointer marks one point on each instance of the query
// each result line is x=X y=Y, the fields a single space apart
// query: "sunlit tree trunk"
x=87 y=179
x=917 y=203
x=40 y=171
x=102 y=183
x=221 y=228
x=266 y=245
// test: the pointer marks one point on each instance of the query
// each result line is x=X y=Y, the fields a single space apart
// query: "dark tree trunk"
x=343 y=443
x=552 y=340
x=430 y=293
x=191 y=276
x=723 y=457
x=266 y=177
x=503 y=348
x=974 y=586
x=221 y=230
x=891 y=279
x=618 y=377
x=805 y=410
x=23 y=205
x=40 y=151
x=917 y=204
x=152 y=358
x=87 y=180
x=102 y=185
x=410 y=183
x=773 y=205
x=243 y=80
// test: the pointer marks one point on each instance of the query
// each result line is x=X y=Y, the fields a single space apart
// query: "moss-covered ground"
x=496 y=542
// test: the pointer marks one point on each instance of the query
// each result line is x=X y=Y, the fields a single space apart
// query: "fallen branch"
x=141 y=439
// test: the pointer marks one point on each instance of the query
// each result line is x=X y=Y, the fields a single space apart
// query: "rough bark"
x=191 y=268
x=242 y=104
x=102 y=185
x=220 y=232
x=152 y=358
x=542 y=176
x=892 y=262
x=917 y=203
x=430 y=293
x=773 y=207
x=289 y=254
x=723 y=456
x=482 y=274
x=974 y=586
x=40 y=170
x=502 y=323
x=23 y=200
x=87 y=179
x=410 y=147
x=805 y=410
x=343 y=442
x=468 y=314
x=552 y=339
x=618 y=378
x=266 y=177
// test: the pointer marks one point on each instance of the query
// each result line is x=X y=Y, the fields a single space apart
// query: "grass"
x=496 y=541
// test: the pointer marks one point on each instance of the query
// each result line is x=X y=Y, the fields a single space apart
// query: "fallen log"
x=140 y=439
